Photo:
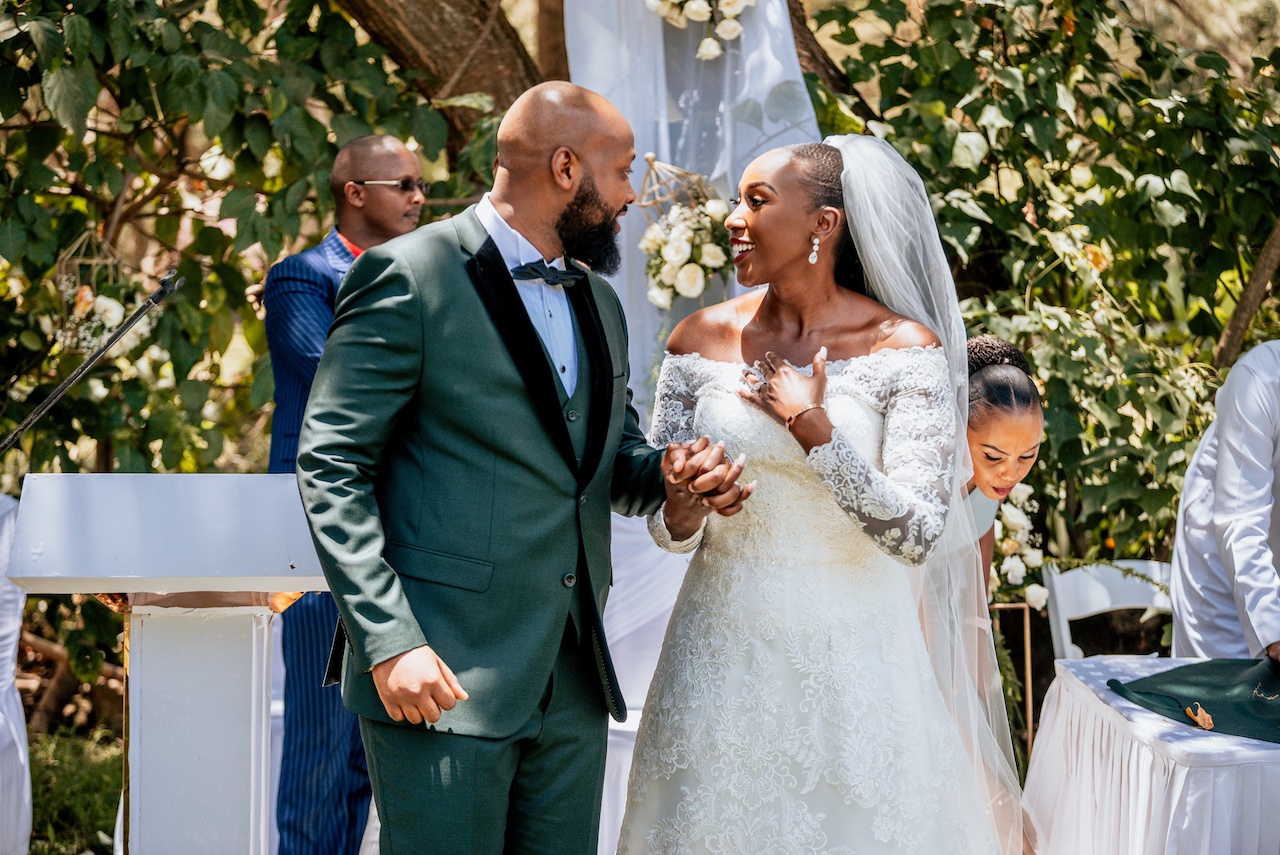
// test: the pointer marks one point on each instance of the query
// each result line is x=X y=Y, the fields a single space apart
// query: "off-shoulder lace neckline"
x=848 y=360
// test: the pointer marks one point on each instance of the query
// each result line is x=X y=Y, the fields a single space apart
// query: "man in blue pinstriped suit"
x=324 y=783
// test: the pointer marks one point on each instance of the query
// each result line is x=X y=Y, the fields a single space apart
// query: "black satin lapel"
x=583 y=301
x=497 y=291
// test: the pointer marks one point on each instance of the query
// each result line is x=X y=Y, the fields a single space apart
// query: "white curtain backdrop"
x=712 y=117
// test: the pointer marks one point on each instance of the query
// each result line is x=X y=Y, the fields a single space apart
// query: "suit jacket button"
x=569 y=580
x=572 y=415
x=582 y=500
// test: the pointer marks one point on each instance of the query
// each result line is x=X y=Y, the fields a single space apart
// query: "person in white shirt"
x=1225 y=588
x=15 y=774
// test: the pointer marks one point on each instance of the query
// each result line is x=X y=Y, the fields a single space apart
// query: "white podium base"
x=199 y=713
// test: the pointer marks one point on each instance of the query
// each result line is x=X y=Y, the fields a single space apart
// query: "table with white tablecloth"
x=1108 y=777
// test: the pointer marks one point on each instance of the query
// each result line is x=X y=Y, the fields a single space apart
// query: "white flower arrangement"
x=719 y=18
x=687 y=248
x=1016 y=569
x=89 y=318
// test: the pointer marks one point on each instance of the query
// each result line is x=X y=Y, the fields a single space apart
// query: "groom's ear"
x=566 y=169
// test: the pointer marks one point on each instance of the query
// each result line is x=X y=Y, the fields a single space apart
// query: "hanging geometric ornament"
x=665 y=185
x=89 y=281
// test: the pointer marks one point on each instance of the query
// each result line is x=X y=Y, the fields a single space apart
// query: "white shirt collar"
x=515 y=247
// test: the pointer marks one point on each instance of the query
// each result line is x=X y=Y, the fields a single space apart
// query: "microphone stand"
x=168 y=285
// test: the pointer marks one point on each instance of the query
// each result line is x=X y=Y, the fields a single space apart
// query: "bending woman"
x=1006 y=423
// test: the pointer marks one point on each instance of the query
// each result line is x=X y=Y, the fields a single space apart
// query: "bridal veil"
x=896 y=236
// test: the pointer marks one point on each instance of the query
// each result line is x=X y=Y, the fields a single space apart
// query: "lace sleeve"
x=903 y=506
x=673 y=402
x=673 y=411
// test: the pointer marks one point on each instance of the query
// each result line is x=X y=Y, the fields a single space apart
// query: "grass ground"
x=75 y=790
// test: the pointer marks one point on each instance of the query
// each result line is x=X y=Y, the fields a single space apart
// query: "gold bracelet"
x=791 y=419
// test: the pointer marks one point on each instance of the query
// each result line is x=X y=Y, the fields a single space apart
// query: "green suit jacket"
x=445 y=498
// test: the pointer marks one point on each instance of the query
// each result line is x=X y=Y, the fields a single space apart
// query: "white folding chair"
x=1098 y=588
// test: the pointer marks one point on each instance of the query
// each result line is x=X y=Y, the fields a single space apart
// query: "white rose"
x=697 y=10
x=1020 y=493
x=733 y=8
x=667 y=276
x=1015 y=519
x=659 y=296
x=652 y=239
x=1037 y=596
x=709 y=48
x=717 y=209
x=1014 y=570
x=109 y=311
x=1033 y=558
x=690 y=281
x=713 y=256
x=729 y=29
x=678 y=248
x=655 y=6
x=676 y=18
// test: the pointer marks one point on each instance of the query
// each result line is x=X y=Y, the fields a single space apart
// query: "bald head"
x=555 y=115
x=360 y=159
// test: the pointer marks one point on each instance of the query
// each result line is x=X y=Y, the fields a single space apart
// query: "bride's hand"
x=785 y=392
x=790 y=397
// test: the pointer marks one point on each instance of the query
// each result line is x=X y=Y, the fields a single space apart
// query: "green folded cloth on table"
x=1240 y=696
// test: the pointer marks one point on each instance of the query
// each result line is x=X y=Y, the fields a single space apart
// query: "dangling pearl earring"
x=813 y=256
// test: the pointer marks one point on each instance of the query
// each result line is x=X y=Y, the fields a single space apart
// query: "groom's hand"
x=700 y=478
x=416 y=686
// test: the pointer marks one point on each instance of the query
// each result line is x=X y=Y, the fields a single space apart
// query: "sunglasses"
x=405 y=184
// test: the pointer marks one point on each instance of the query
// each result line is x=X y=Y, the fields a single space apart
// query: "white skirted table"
x=1108 y=777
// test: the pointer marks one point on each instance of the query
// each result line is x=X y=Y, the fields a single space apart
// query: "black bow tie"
x=552 y=276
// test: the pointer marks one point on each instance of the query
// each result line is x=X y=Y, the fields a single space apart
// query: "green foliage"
x=191 y=135
x=87 y=628
x=75 y=788
x=1103 y=194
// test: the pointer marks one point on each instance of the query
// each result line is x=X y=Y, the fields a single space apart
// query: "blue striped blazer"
x=299 y=294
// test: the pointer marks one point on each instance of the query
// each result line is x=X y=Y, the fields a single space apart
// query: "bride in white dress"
x=797 y=707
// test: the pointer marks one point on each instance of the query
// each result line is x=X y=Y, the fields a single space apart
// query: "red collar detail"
x=355 y=250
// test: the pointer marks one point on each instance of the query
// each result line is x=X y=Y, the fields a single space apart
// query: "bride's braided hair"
x=820 y=168
x=999 y=379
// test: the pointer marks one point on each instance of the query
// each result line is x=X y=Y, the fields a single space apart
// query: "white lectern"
x=198 y=666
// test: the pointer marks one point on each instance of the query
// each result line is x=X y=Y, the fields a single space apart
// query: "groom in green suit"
x=467 y=435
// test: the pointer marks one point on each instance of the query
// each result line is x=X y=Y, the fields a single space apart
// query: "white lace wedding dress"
x=794 y=709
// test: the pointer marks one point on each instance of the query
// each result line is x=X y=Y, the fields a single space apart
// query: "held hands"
x=1273 y=650
x=790 y=397
x=700 y=478
x=416 y=686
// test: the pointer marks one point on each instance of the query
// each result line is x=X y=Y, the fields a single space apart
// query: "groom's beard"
x=586 y=230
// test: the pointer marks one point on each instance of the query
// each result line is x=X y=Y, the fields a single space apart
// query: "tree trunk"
x=815 y=60
x=1255 y=291
x=553 y=56
x=462 y=45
